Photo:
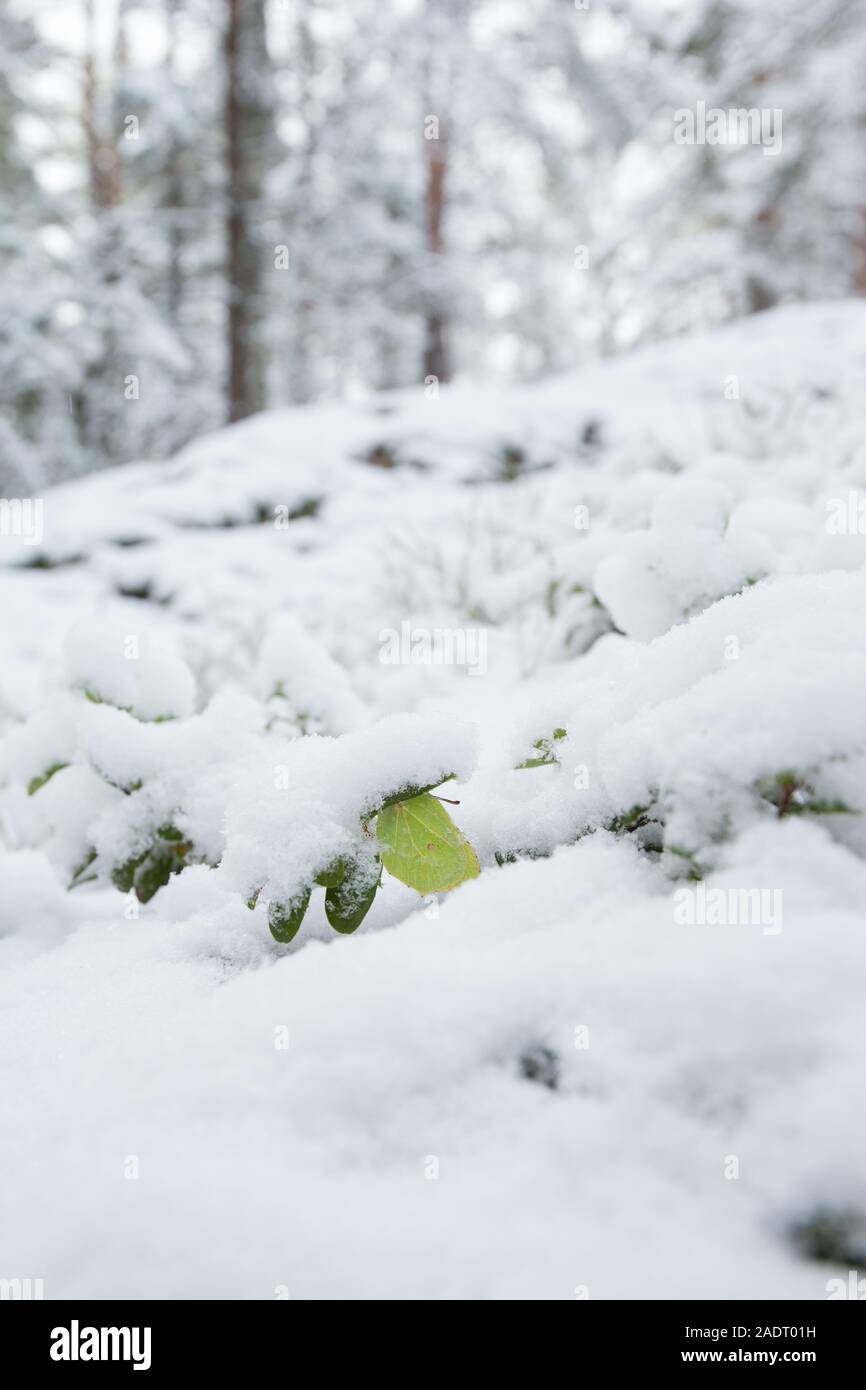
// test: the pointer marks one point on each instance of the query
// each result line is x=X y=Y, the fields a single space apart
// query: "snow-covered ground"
x=627 y=1060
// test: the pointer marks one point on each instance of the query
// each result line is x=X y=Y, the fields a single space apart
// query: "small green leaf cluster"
x=167 y=853
x=146 y=873
x=545 y=749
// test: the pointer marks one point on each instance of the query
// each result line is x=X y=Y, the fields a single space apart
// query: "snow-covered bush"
x=133 y=787
x=652 y=963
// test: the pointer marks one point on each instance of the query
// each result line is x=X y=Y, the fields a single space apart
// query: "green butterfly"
x=421 y=845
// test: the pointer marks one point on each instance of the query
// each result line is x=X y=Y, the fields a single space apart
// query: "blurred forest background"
x=211 y=207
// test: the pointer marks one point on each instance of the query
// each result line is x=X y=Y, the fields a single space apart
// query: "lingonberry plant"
x=153 y=773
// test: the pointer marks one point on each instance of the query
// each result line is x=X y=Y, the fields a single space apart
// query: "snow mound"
x=624 y=612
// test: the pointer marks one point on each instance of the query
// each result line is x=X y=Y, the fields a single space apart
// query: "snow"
x=126 y=669
x=310 y=691
x=189 y=1109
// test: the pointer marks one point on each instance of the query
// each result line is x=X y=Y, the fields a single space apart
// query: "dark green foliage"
x=512 y=462
x=629 y=821
x=349 y=894
x=541 y=1065
x=148 y=872
x=694 y=870
x=513 y=856
x=833 y=1236
x=382 y=456
x=792 y=794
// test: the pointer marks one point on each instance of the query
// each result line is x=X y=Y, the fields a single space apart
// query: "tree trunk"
x=97 y=404
x=103 y=163
x=246 y=121
x=436 y=356
x=302 y=383
x=435 y=348
x=174 y=191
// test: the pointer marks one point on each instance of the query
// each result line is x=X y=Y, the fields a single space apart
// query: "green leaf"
x=333 y=876
x=423 y=847
x=156 y=869
x=78 y=876
x=123 y=877
x=349 y=893
x=35 y=783
x=284 y=919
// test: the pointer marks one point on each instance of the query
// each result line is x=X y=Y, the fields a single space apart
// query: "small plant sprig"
x=545 y=750
x=166 y=852
x=793 y=794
